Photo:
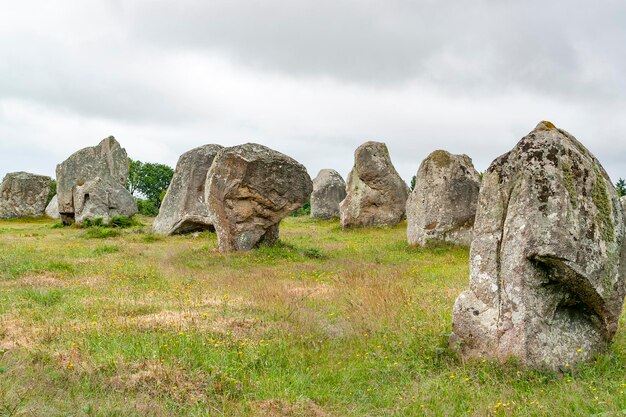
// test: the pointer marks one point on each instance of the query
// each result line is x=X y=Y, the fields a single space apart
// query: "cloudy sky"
x=312 y=79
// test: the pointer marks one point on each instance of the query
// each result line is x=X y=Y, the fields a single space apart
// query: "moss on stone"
x=568 y=181
x=441 y=158
x=546 y=125
x=602 y=202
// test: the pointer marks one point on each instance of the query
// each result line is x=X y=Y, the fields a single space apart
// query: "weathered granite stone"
x=52 y=210
x=183 y=209
x=106 y=166
x=98 y=198
x=23 y=195
x=329 y=189
x=548 y=259
x=442 y=206
x=623 y=201
x=250 y=188
x=376 y=195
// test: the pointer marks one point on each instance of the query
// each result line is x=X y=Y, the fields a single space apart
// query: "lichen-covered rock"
x=183 y=209
x=329 y=189
x=105 y=166
x=548 y=259
x=376 y=195
x=52 y=210
x=23 y=195
x=250 y=188
x=442 y=206
x=623 y=201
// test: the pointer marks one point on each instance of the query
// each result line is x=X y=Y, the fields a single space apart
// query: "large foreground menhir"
x=548 y=259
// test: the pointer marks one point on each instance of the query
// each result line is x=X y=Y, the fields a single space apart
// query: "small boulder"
x=249 y=189
x=442 y=206
x=183 y=209
x=548 y=257
x=92 y=182
x=23 y=195
x=52 y=210
x=376 y=195
x=329 y=189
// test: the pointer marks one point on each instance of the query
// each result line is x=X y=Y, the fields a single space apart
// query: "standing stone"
x=98 y=198
x=183 y=209
x=623 y=201
x=92 y=182
x=548 y=259
x=442 y=205
x=376 y=195
x=329 y=189
x=249 y=189
x=52 y=210
x=23 y=195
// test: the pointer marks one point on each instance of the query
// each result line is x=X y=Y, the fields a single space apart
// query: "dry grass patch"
x=158 y=379
x=43 y=281
x=15 y=333
x=316 y=291
x=283 y=408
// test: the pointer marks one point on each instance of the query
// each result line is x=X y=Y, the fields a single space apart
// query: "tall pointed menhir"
x=376 y=195
x=548 y=259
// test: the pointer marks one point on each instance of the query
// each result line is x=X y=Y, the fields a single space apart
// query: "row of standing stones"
x=545 y=224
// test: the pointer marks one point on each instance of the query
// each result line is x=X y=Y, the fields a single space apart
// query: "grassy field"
x=107 y=322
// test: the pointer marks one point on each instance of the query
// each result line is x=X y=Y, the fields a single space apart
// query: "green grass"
x=326 y=323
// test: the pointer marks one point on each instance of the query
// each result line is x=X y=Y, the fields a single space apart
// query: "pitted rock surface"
x=548 y=259
x=183 y=209
x=105 y=166
x=329 y=189
x=623 y=201
x=52 y=210
x=23 y=195
x=442 y=206
x=250 y=188
x=376 y=195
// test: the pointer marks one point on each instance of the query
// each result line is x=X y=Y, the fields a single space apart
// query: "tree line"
x=148 y=182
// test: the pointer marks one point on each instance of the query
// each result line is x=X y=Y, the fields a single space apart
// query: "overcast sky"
x=312 y=79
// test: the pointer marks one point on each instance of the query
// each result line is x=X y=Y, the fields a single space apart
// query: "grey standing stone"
x=92 y=182
x=376 y=195
x=548 y=259
x=250 y=188
x=98 y=198
x=23 y=195
x=442 y=206
x=52 y=210
x=183 y=209
x=329 y=189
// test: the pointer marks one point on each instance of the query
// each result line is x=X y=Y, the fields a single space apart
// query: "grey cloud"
x=483 y=45
x=312 y=79
x=100 y=82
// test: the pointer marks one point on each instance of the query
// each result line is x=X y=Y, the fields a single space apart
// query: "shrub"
x=305 y=210
x=147 y=207
x=620 y=186
x=99 y=232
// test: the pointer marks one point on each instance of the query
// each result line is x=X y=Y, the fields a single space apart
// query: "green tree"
x=52 y=191
x=413 y=180
x=148 y=182
x=620 y=186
